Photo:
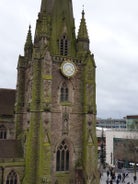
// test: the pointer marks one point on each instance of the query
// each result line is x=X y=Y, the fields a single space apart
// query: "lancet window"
x=3 y=132
x=62 y=157
x=12 y=178
x=64 y=93
x=63 y=45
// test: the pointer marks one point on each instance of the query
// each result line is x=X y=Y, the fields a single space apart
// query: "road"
x=128 y=179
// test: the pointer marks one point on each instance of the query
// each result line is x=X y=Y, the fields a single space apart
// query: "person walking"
x=107 y=181
x=123 y=177
x=107 y=173
x=135 y=178
x=117 y=181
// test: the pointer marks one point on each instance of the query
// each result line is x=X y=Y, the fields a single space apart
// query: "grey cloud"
x=113 y=32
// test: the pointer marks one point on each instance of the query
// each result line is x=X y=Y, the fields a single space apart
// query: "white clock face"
x=68 y=68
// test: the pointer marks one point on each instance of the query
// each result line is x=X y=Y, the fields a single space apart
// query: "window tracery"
x=65 y=125
x=12 y=178
x=3 y=132
x=64 y=93
x=62 y=157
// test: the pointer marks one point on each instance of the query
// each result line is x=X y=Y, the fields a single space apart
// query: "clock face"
x=68 y=68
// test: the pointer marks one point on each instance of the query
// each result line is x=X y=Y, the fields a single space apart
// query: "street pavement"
x=128 y=179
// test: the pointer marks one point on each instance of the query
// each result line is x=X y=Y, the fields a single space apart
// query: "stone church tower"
x=55 y=109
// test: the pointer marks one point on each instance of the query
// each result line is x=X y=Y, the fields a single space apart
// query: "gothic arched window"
x=3 y=132
x=12 y=178
x=62 y=157
x=64 y=93
x=63 y=45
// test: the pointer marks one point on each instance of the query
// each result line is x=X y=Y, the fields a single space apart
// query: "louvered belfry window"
x=63 y=45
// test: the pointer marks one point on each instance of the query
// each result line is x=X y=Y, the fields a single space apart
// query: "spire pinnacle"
x=29 y=38
x=83 y=7
x=83 y=39
x=28 y=44
x=83 y=34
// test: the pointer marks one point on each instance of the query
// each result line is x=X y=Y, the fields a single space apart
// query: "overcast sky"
x=113 y=31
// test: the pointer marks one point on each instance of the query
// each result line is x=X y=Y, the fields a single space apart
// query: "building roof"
x=10 y=149
x=132 y=117
x=7 y=101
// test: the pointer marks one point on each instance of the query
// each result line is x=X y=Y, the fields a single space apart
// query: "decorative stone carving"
x=65 y=125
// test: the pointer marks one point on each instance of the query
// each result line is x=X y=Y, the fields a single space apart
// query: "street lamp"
x=102 y=150
x=135 y=161
x=111 y=158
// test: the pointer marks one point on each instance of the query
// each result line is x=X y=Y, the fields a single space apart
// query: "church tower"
x=55 y=110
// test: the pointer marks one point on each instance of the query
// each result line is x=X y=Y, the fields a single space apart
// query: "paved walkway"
x=128 y=179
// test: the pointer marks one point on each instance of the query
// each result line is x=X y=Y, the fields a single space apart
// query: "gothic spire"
x=43 y=6
x=28 y=48
x=44 y=16
x=62 y=21
x=42 y=22
x=29 y=38
x=83 y=34
x=83 y=38
x=55 y=21
x=46 y=6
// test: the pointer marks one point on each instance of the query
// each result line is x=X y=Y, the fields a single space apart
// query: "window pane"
x=58 y=161
x=67 y=160
x=64 y=93
x=62 y=157
x=3 y=132
x=62 y=160
x=11 y=178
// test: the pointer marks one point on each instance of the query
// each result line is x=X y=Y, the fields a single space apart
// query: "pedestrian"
x=135 y=178
x=113 y=175
x=123 y=179
x=119 y=176
x=127 y=174
x=107 y=181
x=117 y=181
x=107 y=173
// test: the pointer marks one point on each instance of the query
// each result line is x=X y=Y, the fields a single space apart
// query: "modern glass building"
x=111 y=123
x=132 y=122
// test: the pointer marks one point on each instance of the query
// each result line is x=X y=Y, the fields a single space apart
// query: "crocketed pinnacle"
x=83 y=34
x=29 y=43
